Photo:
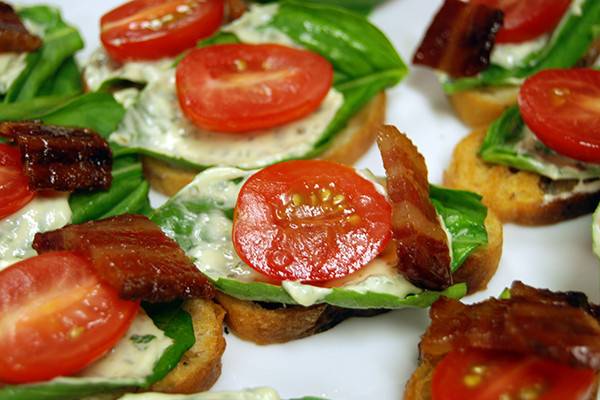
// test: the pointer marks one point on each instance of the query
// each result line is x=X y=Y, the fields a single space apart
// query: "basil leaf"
x=170 y=318
x=568 y=44
x=199 y=219
x=66 y=81
x=60 y=42
x=464 y=218
x=509 y=142
x=359 y=6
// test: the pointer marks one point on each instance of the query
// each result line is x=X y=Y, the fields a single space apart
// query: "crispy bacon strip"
x=460 y=39
x=14 y=37
x=60 y=158
x=422 y=244
x=131 y=253
x=234 y=9
x=538 y=322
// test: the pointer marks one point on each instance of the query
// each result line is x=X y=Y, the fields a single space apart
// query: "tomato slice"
x=153 y=29
x=310 y=221
x=56 y=317
x=562 y=108
x=14 y=185
x=527 y=19
x=243 y=87
x=488 y=375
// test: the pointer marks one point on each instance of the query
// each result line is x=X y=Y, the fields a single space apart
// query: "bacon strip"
x=14 y=37
x=422 y=244
x=460 y=39
x=131 y=253
x=60 y=158
x=558 y=326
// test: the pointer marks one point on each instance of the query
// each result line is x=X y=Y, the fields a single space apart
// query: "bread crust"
x=515 y=196
x=347 y=147
x=200 y=366
x=267 y=325
x=480 y=107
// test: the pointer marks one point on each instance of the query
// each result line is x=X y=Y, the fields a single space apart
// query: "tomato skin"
x=56 y=317
x=487 y=375
x=241 y=87
x=562 y=108
x=310 y=221
x=168 y=40
x=14 y=185
x=527 y=19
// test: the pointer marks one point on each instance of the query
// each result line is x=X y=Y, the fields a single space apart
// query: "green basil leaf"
x=66 y=81
x=568 y=44
x=360 y=6
x=60 y=42
x=464 y=218
x=509 y=142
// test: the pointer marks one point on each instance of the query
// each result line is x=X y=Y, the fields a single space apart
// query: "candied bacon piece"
x=61 y=158
x=14 y=37
x=460 y=39
x=131 y=253
x=421 y=242
x=532 y=321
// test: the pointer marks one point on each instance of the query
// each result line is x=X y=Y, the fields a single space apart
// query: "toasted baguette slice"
x=516 y=196
x=347 y=147
x=265 y=324
x=418 y=386
x=480 y=107
x=200 y=366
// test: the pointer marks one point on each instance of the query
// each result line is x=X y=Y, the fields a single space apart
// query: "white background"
x=372 y=358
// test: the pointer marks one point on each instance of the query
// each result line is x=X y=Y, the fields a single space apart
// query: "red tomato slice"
x=56 y=317
x=310 y=221
x=527 y=19
x=14 y=185
x=486 y=375
x=243 y=87
x=562 y=108
x=153 y=29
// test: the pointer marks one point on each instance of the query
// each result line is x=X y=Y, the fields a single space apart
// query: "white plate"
x=372 y=358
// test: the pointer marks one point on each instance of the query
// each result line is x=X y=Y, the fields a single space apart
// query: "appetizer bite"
x=299 y=246
x=484 y=49
x=53 y=174
x=37 y=54
x=539 y=163
x=529 y=344
x=284 y=81
x=72 y=324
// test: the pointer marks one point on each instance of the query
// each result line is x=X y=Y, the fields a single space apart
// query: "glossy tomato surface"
x=562 y=108
x=485 y=375
x=243 y=87
x=56 y=317
x=527 y=19
x=14 y=186
x=310 y=221
x=153 y=29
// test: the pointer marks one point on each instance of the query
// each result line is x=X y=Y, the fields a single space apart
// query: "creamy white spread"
x=596 y=232
x=156 y=123
x=135 y=355
x=253 y=27
x=555 y=166
x=101 y=68
x=581 y=187
x=213 y=252
x=248 y=394
x=11 y=66
x=511 y=55
x=43 y=213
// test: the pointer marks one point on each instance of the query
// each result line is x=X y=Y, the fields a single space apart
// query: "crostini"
x=485 y=49
x=529 y=344
x=299 y=246
x=266 y=88
x=539 y=162
x=73 y=325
